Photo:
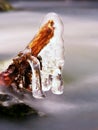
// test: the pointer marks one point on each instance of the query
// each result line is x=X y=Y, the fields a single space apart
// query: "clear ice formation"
x=46 y=68
x=52 y=62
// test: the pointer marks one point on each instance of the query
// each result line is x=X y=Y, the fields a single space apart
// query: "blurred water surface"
x=77 y=108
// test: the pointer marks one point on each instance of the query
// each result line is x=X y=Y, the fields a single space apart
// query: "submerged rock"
x=17 y=111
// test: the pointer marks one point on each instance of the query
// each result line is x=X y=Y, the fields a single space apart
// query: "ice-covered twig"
x=38 y=67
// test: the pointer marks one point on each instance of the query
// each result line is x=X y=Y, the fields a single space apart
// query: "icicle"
x=36 y=79
x=57 y=83
x=46 y=82
x=53 y=57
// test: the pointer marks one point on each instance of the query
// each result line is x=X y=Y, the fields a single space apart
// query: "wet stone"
x=17 y=111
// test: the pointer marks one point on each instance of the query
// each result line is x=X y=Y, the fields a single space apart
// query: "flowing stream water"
x=77 y=108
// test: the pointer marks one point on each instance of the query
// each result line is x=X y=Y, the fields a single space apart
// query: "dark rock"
x=5 y=6
x=17 y=111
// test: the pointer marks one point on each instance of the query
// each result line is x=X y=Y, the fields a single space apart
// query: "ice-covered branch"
x=38 y=67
